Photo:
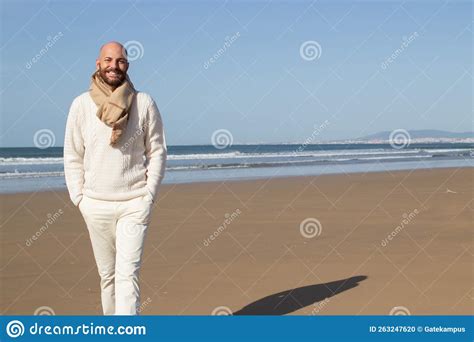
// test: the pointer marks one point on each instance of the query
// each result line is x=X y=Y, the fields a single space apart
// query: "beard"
x=110 y=80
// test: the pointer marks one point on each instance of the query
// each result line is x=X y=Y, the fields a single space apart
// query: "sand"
x=383 y=242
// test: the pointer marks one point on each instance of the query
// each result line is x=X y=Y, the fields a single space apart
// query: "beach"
x=347 y=244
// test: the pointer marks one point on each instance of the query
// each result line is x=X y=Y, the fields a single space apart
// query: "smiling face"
x=112 y=64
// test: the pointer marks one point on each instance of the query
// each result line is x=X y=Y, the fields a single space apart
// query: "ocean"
x=33 y=169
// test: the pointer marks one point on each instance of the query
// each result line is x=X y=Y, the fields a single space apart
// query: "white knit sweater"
x=133 y=168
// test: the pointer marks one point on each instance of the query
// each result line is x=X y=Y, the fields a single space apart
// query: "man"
x=114 y=162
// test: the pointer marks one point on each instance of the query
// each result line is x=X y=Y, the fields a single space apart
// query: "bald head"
x=112 y=63
x=112 y=48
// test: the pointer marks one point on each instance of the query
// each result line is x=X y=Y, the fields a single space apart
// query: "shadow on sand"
x=285 y=302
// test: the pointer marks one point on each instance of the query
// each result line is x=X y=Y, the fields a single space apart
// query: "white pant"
x=117 y=231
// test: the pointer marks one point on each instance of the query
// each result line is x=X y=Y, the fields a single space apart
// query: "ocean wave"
x=9 y=175
x=250 y=155
x=246 y=164
x=30 y=161
x=23 y=166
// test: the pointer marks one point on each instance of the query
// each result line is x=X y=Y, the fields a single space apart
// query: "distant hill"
x=421 y=134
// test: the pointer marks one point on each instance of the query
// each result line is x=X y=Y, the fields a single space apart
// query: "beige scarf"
x=113 y=105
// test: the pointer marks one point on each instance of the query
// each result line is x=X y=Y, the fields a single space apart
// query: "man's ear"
x=97 y=63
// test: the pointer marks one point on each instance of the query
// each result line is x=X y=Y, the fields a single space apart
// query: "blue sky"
x=261 y=88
